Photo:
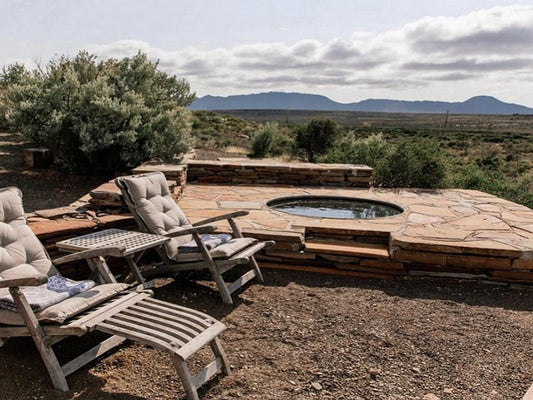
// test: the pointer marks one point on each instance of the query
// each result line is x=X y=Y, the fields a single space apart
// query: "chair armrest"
x=116 y=251
x=234 y=214
x=194 y=229
x=30 y=281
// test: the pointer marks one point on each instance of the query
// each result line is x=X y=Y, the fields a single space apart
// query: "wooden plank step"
x=347 y=249
x=353 y=231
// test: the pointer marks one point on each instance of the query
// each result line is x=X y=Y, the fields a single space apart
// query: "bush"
x=283 y=142
x=415 y=165
x=10 y=75
x=475 y=177
x=103 y=117
x=368 y=151
x=405 y=164
x=263 y=139
x=316 y=137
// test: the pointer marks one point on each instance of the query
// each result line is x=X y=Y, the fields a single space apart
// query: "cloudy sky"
x=348 y=50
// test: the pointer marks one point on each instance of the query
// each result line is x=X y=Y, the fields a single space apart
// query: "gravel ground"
x=301 y=335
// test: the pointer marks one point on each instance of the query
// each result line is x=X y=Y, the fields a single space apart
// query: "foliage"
x=283 y=143
x=316 y=137
x=103 y=116
x=263 y=139
x=417 y=165
x=369 y=150
x=10 y=75
x=211 y=130
x=493 y=153
x=475 y=177
x=405 y=164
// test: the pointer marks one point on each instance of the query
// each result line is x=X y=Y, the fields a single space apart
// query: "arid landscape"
x=302 y=335
x=257 y=109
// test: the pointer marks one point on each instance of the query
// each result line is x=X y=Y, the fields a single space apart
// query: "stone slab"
x=57 y=212
x=523 y=264
x=382 y=264
x=324 y=270
x=477 y=262
x=61 y=227
x=419 y=257
x=370 y=270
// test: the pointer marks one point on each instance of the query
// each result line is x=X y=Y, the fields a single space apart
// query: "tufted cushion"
x=21 y=253
x=67 y=308
x=156 y=207
x=223 y=251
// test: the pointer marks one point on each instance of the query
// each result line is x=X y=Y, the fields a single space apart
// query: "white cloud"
x=491 y=46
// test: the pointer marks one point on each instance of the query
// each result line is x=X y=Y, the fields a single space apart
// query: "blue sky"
x=348 y=50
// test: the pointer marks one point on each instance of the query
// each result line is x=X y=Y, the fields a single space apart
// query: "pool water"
x=334 y=207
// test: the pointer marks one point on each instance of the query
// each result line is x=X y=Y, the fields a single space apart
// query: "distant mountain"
x=302 y=101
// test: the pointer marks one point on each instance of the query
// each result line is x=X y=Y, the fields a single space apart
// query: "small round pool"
x=334 y=207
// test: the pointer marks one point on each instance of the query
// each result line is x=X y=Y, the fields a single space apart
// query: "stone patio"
x=452 y=233
x=441 y=233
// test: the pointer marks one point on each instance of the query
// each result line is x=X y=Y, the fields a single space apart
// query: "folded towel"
x=57 y=289
x=210 y=241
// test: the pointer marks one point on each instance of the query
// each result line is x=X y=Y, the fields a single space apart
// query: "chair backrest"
x=148 y=199
x=21 y=253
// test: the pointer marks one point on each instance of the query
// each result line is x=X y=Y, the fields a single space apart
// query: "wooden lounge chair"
x=148 y=199
x=113 y=308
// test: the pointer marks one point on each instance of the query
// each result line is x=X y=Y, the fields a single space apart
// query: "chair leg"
x=258 y=273
x=219 y=352
x=186 y=377
x=52 y=365
x=222 y=288
x=217 y=277
x=42 y=341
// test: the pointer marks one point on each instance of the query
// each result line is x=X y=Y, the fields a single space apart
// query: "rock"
x=430 y=396
x=374 y=372
x=316 y=386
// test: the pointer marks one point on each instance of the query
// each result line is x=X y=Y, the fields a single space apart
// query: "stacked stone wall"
x=264 y=173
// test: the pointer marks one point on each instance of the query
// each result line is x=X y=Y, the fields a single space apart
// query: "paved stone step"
x=347 y=249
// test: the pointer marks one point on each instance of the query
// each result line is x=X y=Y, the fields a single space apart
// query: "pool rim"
x=397 y=207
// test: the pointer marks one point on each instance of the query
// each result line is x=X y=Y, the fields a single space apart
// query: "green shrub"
x=214 y=131
x=10 y=75
x=106 y=116
x=406 y=164
x=368 y=151
x=262 y=139
x=316 y=137
x=283 y=142
x=415 y=165
x=475 y=177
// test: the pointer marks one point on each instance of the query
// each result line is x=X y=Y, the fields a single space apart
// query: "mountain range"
x=304 y=101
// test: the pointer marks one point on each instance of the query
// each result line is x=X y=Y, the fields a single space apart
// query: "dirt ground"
x=301 y=335
x=41 y=188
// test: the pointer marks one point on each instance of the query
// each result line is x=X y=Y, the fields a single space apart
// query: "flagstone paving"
x=436 y=227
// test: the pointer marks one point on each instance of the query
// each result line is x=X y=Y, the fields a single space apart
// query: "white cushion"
x=67 y=308
x=156 y=208
x=225 y=250
x=18 y=244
